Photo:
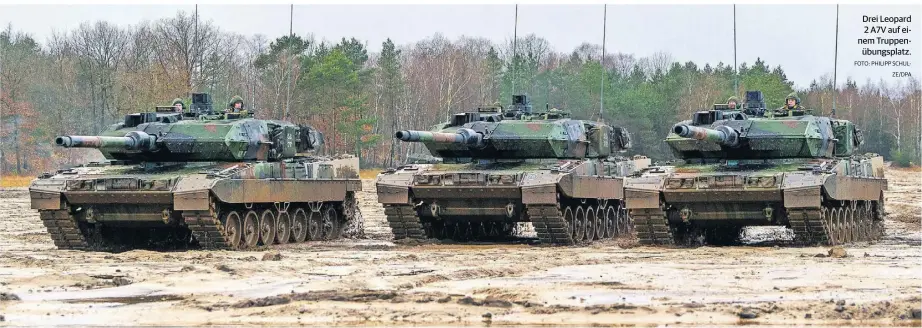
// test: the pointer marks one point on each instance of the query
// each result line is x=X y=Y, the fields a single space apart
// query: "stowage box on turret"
x=218 y=180
x=755 y=167
x=499 y=167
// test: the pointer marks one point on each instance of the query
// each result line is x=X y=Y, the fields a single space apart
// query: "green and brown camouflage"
x=199 y=178
x=738 y=168
x=495 y=168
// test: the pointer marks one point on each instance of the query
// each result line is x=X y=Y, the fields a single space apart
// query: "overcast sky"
x=801 y=38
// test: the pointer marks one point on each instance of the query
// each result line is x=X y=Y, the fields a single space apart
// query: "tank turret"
x=172 y=137
x=520 y=133
x=731 y=134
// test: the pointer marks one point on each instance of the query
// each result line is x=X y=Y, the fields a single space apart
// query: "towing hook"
x=434 y=209
x=685 y=213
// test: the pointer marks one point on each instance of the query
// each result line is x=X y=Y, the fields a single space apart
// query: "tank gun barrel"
x=723 y=135
x=134 y=140
x=463 y=136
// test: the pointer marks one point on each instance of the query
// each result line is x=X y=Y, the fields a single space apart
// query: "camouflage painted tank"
x=756 y=167
x=221 y=181
x=499 y=167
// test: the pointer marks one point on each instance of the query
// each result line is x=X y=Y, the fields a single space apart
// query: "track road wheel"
x=580 y=220
x=850 y=226
x=314 y=224
x=267 y=227
x=625 y=226
x=250 y=229
x=233 y=228
x=299 y=225
x=591 y=224
x=828 y=215
x=840 y=226
x=600 y=222
x=611 y=222
x=283 y=228
x=329 y=221
x=570 y=219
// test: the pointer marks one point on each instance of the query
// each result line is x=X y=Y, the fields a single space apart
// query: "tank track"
x=64 y=229
x=404 y=222
x=808 y=225
x=207 y=229
x=549 y=221
x=651 y=227
x=354 y=226
x=549 y=224
x=836 y=225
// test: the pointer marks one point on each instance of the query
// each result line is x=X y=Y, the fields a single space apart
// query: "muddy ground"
x=374 y=282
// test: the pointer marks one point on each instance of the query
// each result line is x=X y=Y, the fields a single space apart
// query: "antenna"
x=194 y=54
x=515 y=37
x=602 y=62
x=736 y=74
x=835 y=61
x=291 y=18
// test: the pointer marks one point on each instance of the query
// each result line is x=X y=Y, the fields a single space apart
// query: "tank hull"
x=831 y=201
x=217 y=205
x=561 y=199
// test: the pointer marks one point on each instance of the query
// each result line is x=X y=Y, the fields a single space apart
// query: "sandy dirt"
x=375 y=282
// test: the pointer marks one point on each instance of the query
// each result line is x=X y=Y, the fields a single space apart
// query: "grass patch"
x=12 y=181
x=369 y=173
x=914 y=168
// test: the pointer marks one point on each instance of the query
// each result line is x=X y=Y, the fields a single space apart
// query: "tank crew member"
x=235 y=105
x=733 y=102
x=178 y=105
x=792 y=102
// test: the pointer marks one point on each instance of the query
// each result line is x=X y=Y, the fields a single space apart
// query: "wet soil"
x=377 y=282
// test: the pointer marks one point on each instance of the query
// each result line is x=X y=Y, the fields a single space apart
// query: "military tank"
x=757 y=167
x=496 y=167
x=200 y=177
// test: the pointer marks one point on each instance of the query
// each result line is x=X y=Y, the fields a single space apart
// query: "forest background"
x=82 y=80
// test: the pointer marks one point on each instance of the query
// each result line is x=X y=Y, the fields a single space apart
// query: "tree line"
x=82 y=80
